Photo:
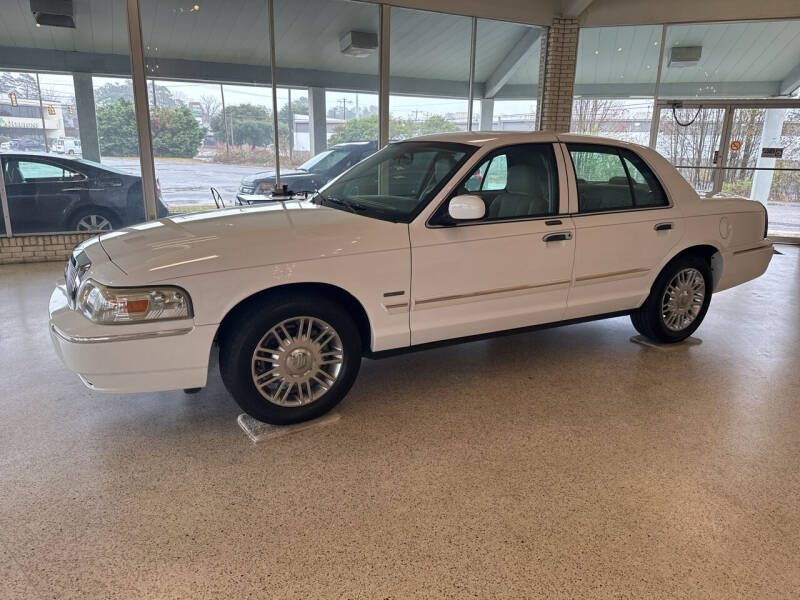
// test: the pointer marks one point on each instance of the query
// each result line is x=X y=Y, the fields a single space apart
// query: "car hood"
x=236 y=238
x=268 y=176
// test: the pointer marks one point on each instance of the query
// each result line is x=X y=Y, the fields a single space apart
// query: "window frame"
x=618 y=150
x=562 y=187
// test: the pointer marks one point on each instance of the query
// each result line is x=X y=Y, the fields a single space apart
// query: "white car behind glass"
x=432 y=240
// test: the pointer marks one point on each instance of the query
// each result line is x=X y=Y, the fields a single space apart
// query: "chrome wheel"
x=93 y=223
x=297 y=361
x=683 y=299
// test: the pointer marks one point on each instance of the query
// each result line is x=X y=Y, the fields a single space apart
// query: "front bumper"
x=145 y=357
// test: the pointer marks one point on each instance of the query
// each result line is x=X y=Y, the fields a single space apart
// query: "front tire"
x=291 y=359
x=678 y=301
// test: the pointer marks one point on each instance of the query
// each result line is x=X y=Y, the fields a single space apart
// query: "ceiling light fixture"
x=358 y=44
x=54 y=13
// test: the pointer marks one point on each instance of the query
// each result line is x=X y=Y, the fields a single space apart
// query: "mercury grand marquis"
x=432 y=240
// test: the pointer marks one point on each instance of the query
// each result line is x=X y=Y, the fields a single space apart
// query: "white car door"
x=624 y=227
x=511 y=268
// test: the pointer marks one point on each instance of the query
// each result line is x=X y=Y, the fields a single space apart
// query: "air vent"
x=53 y=13
x=358 y=44
x=684 y=56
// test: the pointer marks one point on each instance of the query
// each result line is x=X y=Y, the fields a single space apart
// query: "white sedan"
x=437 y=239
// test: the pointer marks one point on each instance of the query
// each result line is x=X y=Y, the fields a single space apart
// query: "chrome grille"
x=71 y=279
x=77 y=265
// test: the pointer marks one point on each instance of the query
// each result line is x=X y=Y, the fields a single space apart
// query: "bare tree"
x=209 y=107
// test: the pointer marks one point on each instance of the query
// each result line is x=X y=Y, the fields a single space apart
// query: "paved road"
x=187 y=184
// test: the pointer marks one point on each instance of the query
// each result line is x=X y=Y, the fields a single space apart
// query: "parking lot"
x=188 y=182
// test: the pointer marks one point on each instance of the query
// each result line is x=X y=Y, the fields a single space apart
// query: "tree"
x=116 y=129
x=246 y=124
x=113 y=91
x=108 y=93
x=435 y=124
x=366 y=129
x=176 y=133
x=209 y=107
x=22 y=84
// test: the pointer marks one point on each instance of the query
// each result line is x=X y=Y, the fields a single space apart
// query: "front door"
x=511 y=268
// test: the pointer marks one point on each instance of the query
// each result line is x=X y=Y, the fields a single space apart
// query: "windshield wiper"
x=349 y=206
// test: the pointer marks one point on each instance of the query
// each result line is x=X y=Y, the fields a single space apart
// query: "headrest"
x=520 y=180
x=443 y=165
x=618 y=180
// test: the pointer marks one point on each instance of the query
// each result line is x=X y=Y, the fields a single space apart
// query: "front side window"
x=397 y=182
x=515 y=182
x=611 y=178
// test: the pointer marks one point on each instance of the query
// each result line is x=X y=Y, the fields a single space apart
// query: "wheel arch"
x=708 y=252
x=331 y=292
x=73 y=211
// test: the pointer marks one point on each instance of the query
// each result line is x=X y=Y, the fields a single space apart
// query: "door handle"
x=662 y=226
x=559 y=236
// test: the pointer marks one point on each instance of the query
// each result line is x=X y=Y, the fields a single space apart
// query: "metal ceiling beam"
x=791 y=82
x=573 y=8
x=509 y=65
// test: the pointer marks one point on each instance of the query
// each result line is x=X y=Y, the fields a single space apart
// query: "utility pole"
x=344 y=102
x=291 y=127
x=41 y=112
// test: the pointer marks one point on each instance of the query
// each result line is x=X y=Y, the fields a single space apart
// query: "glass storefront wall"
x=507 y=58
x=62 y=135
x=615 y=82
x=429 y=73
x=221 y=136
x=718 y=115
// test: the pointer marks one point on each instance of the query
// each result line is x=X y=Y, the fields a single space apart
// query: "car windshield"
x=324 y=160
x=397 y=182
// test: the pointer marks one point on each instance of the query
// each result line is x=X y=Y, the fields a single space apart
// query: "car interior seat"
x=13 y=174
x=523 y=195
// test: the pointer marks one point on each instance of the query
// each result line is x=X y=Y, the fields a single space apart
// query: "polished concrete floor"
x=568 y=463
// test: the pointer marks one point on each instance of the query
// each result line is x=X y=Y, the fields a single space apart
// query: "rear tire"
x=678 y=301
x=291 y=359
x=91 y=220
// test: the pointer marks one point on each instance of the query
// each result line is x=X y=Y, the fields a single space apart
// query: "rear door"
x=625 y=225
x=510 y=269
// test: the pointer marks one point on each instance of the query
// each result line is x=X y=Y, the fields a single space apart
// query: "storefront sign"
x=772 y=153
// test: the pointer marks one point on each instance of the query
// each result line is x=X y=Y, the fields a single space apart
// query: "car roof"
x=499 y=138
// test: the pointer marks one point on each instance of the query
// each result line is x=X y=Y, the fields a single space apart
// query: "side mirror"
x=466 y=208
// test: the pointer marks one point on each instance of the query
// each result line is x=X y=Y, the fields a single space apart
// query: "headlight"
x=107 y=305
x=264 y=188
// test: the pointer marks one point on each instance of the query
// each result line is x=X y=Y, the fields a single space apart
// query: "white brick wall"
x=557 y=75
x=39 y=248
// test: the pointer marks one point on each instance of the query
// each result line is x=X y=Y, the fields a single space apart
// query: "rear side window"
x=611 y=178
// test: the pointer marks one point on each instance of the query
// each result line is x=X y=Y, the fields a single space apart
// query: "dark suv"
x=308 y=177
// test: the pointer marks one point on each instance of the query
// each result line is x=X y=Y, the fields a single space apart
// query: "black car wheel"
x=93 y=220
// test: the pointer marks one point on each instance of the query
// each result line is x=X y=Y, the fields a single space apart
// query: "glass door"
x=763 y=163
x=691 y=139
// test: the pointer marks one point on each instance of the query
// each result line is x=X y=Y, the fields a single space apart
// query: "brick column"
x=557 y=75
